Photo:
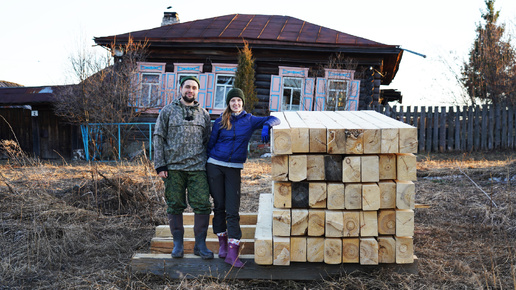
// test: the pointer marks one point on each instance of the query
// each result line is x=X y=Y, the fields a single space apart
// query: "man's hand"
x=163 y=174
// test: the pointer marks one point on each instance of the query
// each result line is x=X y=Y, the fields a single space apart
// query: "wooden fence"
x=459 y=128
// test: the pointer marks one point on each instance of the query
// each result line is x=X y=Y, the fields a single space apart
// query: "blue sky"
x=39 y=36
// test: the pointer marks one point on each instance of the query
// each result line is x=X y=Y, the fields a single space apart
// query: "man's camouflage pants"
x=180 y=184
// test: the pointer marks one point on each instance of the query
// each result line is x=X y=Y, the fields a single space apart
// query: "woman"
x=227 y=153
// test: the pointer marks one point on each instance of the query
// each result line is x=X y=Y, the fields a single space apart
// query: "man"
x=181 y=134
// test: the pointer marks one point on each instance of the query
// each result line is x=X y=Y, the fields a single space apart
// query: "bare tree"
x=456 y=93
x=107 y=92
x=490 y=73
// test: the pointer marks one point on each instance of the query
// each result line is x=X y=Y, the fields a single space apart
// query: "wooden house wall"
x=54 y=134
x=16 y=125
x=45 y=136
x=267 y=63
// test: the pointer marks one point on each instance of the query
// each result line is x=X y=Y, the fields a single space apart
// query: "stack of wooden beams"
x=343 y=190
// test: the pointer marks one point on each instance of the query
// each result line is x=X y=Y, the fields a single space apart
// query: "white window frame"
x=329 y=90
x=225 y=88
x=146 y=98
x=289 y=106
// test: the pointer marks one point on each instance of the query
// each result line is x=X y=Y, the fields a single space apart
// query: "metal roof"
x=26 y=95
x=264 y=33
x=234 y=27
x=6 y=84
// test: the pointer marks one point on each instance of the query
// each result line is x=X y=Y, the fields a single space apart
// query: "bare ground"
x=76 y=225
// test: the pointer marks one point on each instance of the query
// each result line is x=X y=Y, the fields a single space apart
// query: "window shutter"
x=208 y=80
x=275 y=94
x=169 y=88
x=203 y=89
x=320 y=94
x=308 y=94
x=354 y=93
x=135 y=92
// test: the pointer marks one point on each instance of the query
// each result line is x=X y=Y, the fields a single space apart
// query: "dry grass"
x=76 y=225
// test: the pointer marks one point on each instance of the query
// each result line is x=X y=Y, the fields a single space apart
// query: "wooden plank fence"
x=459 y=128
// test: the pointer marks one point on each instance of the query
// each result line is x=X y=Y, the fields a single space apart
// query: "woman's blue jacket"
x=231 y=145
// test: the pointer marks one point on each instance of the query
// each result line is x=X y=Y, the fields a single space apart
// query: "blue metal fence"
x=96 y=135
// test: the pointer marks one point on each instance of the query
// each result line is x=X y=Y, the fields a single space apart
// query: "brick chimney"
x=170 y=18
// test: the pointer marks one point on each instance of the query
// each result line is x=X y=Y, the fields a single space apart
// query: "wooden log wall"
x=16 y=124
x=343 y=190
x=45 y=136
x=459 y=128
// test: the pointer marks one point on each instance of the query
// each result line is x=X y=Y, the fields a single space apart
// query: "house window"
x=224 y=84
x=150 y=89
x=291 y=93
x=337 y=94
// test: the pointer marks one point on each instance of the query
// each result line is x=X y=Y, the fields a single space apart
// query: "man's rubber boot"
x=232 y=257
x=177 y=230
x=201 y=222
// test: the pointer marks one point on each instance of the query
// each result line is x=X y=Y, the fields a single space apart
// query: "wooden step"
x=246 y=218
x=165 y=245
x=192 y=266
x=163 y=231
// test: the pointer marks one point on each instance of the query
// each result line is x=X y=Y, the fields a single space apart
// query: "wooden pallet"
x=194 y=267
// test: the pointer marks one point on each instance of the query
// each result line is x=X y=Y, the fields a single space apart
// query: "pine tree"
x=490 y=74
x=245 y=77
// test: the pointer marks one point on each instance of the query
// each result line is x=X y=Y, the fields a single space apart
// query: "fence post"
x=484 y=135
x=408 y=116
x=415 y=116
x=510 y=125
x=451 y=125
x=504 y=127
x=490 y=142
x=458 y=140
x=150 y=141
x=422 y=129
x=497 y=129
x=442 y=129
x=429 y=125
x=119 y=144
x=435 y=133
x=470 y=128
x=477 y=130
x=85 y=140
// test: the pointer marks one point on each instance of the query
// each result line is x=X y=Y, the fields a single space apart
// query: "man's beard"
x=188 y=99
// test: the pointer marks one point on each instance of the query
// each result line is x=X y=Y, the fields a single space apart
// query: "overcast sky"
x=39 y=36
